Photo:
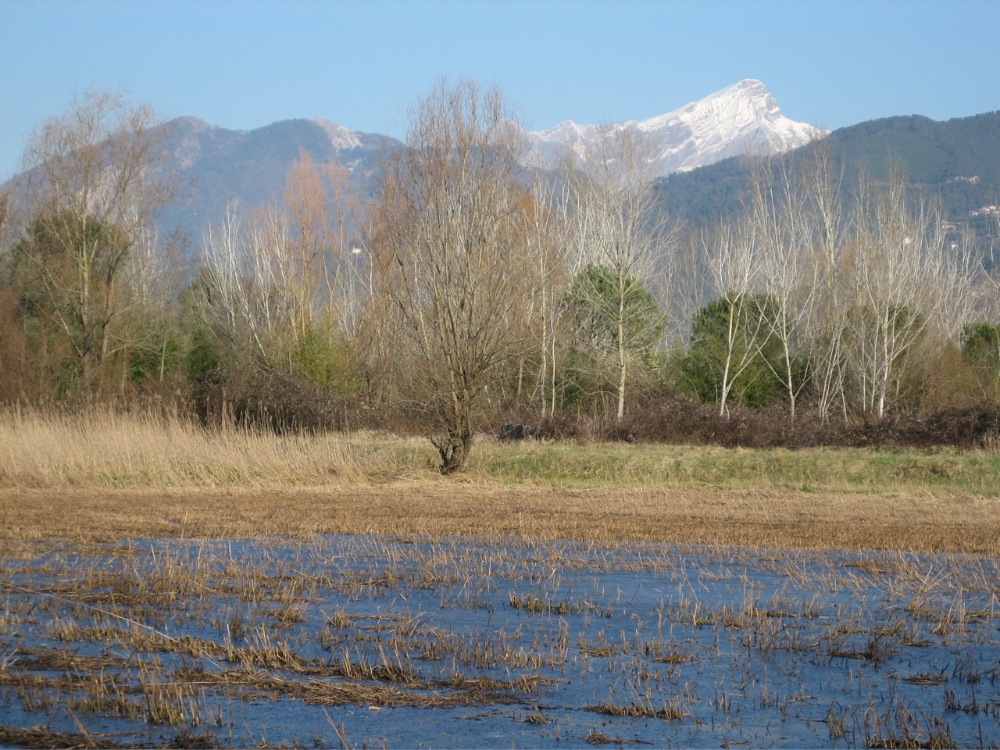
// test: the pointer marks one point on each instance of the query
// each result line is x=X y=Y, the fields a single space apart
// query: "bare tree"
x=734 y=253
x=95 y=180
x=560 y=257
x=547 y=245
x=450 y=260
x=151 y=281
x=616 y=230
x=249 y=298
x=908 y=285
x=320 y=274
x=780 y=221
x=829 y=276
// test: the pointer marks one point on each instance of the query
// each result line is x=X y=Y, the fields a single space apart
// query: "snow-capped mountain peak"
x=740 y=119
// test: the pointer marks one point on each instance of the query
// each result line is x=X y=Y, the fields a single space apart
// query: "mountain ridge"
x=220 y=167
x=740 y=119
x=957 y=160
x=249 y=167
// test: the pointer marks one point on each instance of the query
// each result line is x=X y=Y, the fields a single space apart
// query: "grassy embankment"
x=112 y=476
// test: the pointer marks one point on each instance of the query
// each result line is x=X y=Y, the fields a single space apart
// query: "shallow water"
x=374 y=641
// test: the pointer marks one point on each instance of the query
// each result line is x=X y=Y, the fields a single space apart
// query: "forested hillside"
x=957 y=160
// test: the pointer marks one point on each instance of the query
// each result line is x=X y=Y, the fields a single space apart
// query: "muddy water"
x=371 y=641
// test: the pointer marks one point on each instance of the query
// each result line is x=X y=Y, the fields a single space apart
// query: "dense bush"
x=687 y=422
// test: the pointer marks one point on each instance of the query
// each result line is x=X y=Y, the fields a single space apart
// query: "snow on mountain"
x=340 y=137
x=217 y=167
x=741 y=119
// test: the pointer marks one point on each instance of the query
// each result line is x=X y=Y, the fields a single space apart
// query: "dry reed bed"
x=105 y=449
x=111 y=476
x=113 y=450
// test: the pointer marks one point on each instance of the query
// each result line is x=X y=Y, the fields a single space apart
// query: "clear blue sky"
x=364 y=64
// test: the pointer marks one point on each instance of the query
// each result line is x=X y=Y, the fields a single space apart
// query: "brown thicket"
x=679 y=420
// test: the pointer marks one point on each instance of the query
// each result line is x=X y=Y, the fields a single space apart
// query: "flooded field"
x=387 y=642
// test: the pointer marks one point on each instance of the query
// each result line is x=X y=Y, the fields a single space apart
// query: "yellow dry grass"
x=106 y=449
x=109 y=477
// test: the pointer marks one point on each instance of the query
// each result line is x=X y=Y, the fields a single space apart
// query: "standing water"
x=372 y=641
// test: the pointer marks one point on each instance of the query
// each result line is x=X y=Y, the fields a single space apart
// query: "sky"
x=365 y=65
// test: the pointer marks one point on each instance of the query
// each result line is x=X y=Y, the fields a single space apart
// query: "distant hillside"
x=217 y=166
x=958 y=160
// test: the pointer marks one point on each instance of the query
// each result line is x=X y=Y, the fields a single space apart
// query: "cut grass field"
x=106 y=476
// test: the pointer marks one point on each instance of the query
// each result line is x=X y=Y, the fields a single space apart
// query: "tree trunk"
x=622 y=362
x=454 y=449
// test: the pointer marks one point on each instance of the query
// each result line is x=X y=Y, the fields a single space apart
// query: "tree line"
x=476 y=289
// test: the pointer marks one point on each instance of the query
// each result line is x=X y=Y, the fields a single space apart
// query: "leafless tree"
x=829 y=276
x=249 y=297
x=734 y=254
x=547 y=238
x=151 y=281
x=780 y=220
x=451 y=266
x=95 y=179
x=321 y=277
x=908 y=286
x=616 y=229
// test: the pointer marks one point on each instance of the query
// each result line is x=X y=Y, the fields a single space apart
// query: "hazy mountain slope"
x=740 y=119
x=958 y=159
x=217 y=166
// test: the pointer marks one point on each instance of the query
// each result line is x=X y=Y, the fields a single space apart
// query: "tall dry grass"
x=102 y=475
x=102 y=449
x=106 y=449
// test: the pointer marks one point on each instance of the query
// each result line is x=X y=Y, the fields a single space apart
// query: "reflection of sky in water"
x=763 y=647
